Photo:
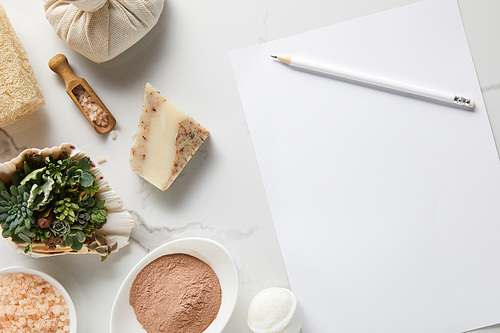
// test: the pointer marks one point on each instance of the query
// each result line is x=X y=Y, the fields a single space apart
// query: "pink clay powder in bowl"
x=186 y=285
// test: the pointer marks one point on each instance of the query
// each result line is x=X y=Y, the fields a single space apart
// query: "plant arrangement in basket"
x=53 y=201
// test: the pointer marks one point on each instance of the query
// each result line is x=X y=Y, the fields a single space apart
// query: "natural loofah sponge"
x=102 y=29
x=19 y=91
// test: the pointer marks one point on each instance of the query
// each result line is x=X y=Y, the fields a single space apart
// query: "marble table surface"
x=220 y=194
x=482 y=28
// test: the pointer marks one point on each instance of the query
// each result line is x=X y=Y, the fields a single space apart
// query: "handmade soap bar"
x=166 y=140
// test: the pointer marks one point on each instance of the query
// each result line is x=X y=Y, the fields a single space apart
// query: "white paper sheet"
x=387 y=207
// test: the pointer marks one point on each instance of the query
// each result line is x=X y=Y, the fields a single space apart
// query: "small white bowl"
x=56 y=284
x=123 y=319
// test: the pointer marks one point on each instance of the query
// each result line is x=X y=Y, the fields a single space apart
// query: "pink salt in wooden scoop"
x=83 y=96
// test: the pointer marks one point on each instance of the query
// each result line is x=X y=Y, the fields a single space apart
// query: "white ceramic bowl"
x=56 y=284
x=123 y=319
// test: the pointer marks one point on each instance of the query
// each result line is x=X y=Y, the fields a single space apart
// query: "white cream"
x=275 y=310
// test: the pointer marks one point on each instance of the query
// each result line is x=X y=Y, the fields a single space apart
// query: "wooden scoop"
x=95 y=111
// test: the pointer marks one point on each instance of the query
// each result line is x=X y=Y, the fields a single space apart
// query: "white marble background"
x=482 y=27
x=231 y=207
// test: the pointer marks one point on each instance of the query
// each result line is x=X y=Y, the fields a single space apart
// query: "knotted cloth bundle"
x=102 y=29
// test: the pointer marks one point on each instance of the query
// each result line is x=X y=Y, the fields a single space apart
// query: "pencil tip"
x=273 y=56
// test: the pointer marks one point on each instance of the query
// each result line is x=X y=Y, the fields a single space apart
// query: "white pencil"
x=377 y=81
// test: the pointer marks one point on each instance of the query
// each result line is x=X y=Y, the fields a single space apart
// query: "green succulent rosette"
x=56 y=201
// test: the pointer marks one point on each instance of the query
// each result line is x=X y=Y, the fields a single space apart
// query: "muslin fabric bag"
x=102 y=29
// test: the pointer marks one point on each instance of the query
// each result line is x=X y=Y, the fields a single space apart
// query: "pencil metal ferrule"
x=460 y=100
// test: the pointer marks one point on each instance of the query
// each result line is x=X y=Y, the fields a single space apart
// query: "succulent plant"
x=40 y=195
x=62 y=172
x=78 y=174
x=91 y=190
x=60 y=228
x=52 y=201
x=96 y=211
x=55 y=170
x=102 y=247
x=75 y=238
x=89 y=230
x=86 y=202
x=82 y=218
x=34 y=176
x=65 y=209
x=44 y=222
x=15 y=215
x=27 y=167
x=98 y=214
x=52 y=241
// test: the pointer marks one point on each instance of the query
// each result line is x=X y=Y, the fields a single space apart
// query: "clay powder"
x=176 y=293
